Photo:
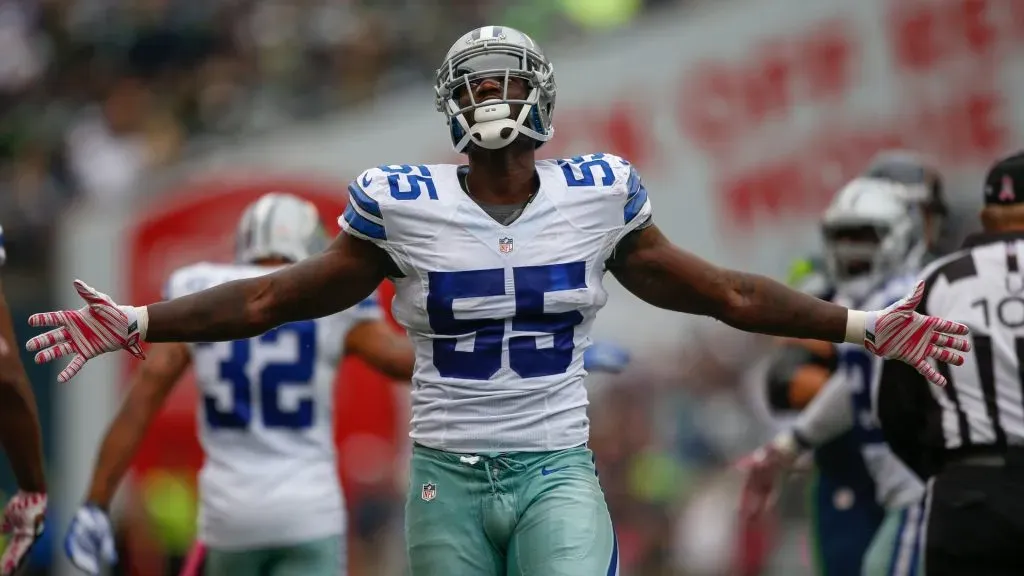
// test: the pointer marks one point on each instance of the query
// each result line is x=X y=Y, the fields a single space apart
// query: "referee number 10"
x=1009 y=311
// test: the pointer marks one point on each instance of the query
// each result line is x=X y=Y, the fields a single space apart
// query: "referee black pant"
x=976 y=517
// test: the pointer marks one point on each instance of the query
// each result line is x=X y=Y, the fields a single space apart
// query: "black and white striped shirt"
x=982 y=406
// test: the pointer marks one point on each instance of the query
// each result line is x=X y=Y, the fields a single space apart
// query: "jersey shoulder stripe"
x=390 y=204
x=621 y=187
x=368 y=205
x=629 y=187
x=636 y=196
x=363 y=216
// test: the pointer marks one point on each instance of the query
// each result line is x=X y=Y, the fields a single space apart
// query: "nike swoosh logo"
x=366 y=180
x=545 y=470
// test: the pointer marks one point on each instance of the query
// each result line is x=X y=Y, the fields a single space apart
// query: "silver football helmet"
x=279 y=225
x=873 y=229
x=501 y=53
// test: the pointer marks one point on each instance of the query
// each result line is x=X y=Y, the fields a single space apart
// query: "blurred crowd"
x=96 y=94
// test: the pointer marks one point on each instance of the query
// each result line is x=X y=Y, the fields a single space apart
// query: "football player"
x=801 y=367
x=271 y=501
x=876 y=239
x=22 y=441
x=498 y=267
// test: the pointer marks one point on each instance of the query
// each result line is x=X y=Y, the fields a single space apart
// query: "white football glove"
x=900 y=333
x=90 y=540
x=24 y=522
x=101 y=326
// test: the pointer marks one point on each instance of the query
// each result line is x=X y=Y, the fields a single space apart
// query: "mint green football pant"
x=511 y=514
x=323 y=557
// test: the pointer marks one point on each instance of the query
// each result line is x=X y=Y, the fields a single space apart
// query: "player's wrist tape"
x=142 y=317
x=858 y=323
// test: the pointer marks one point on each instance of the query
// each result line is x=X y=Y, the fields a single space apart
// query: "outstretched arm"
x=19 y=417
x=150 y=386
x=384 y=349
x=656 y=271
x=334 y=280
x=649 y=266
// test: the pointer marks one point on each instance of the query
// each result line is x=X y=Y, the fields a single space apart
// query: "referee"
x=968 y=437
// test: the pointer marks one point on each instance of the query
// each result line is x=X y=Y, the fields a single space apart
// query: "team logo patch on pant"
x=429 y=491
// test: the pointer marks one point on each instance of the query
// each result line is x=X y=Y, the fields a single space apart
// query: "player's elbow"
x=728 y=302
x=732 y=300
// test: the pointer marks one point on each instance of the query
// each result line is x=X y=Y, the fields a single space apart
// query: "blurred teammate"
x=271 y=500
x=22 y=442
x=498 y=267
x=801 y=367
x=876 y=240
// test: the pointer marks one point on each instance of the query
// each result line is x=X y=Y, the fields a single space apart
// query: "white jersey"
x=265 y=422
x=500 y=315
x=896 y=486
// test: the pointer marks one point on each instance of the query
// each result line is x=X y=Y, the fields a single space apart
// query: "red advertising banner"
x=196 y=222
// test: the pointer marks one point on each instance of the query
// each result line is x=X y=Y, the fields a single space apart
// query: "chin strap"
x=490 y=121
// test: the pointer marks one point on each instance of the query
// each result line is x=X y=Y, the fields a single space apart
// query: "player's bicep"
x=338 y=278
x=661 y=274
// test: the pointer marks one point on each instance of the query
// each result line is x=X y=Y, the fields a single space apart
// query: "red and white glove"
x=23 y=522
x=900 y=333
x=764 y=468
x=101 y=326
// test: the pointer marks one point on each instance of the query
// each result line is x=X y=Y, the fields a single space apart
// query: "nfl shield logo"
x=505 y=245
x=428 y=492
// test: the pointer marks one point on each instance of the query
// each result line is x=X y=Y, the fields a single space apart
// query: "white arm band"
x=856 y=326
x=142 y=314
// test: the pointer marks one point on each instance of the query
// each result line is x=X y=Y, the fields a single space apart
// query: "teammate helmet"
x=913 y=171
x=503 y=53
x=872 y=230
x=279 y=225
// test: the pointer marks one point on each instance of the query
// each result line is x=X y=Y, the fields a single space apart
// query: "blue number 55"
x=483 y=360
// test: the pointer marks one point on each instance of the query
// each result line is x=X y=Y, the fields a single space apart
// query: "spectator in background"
x=107 y=147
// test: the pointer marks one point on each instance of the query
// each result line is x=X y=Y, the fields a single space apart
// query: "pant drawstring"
x=493 y=465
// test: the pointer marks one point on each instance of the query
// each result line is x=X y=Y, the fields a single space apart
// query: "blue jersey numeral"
x=405 y=185
x=580 y=170
x=272 y=378
x=525 y=358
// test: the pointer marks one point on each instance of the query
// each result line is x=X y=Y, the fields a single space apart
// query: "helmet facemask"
x=494 y=126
